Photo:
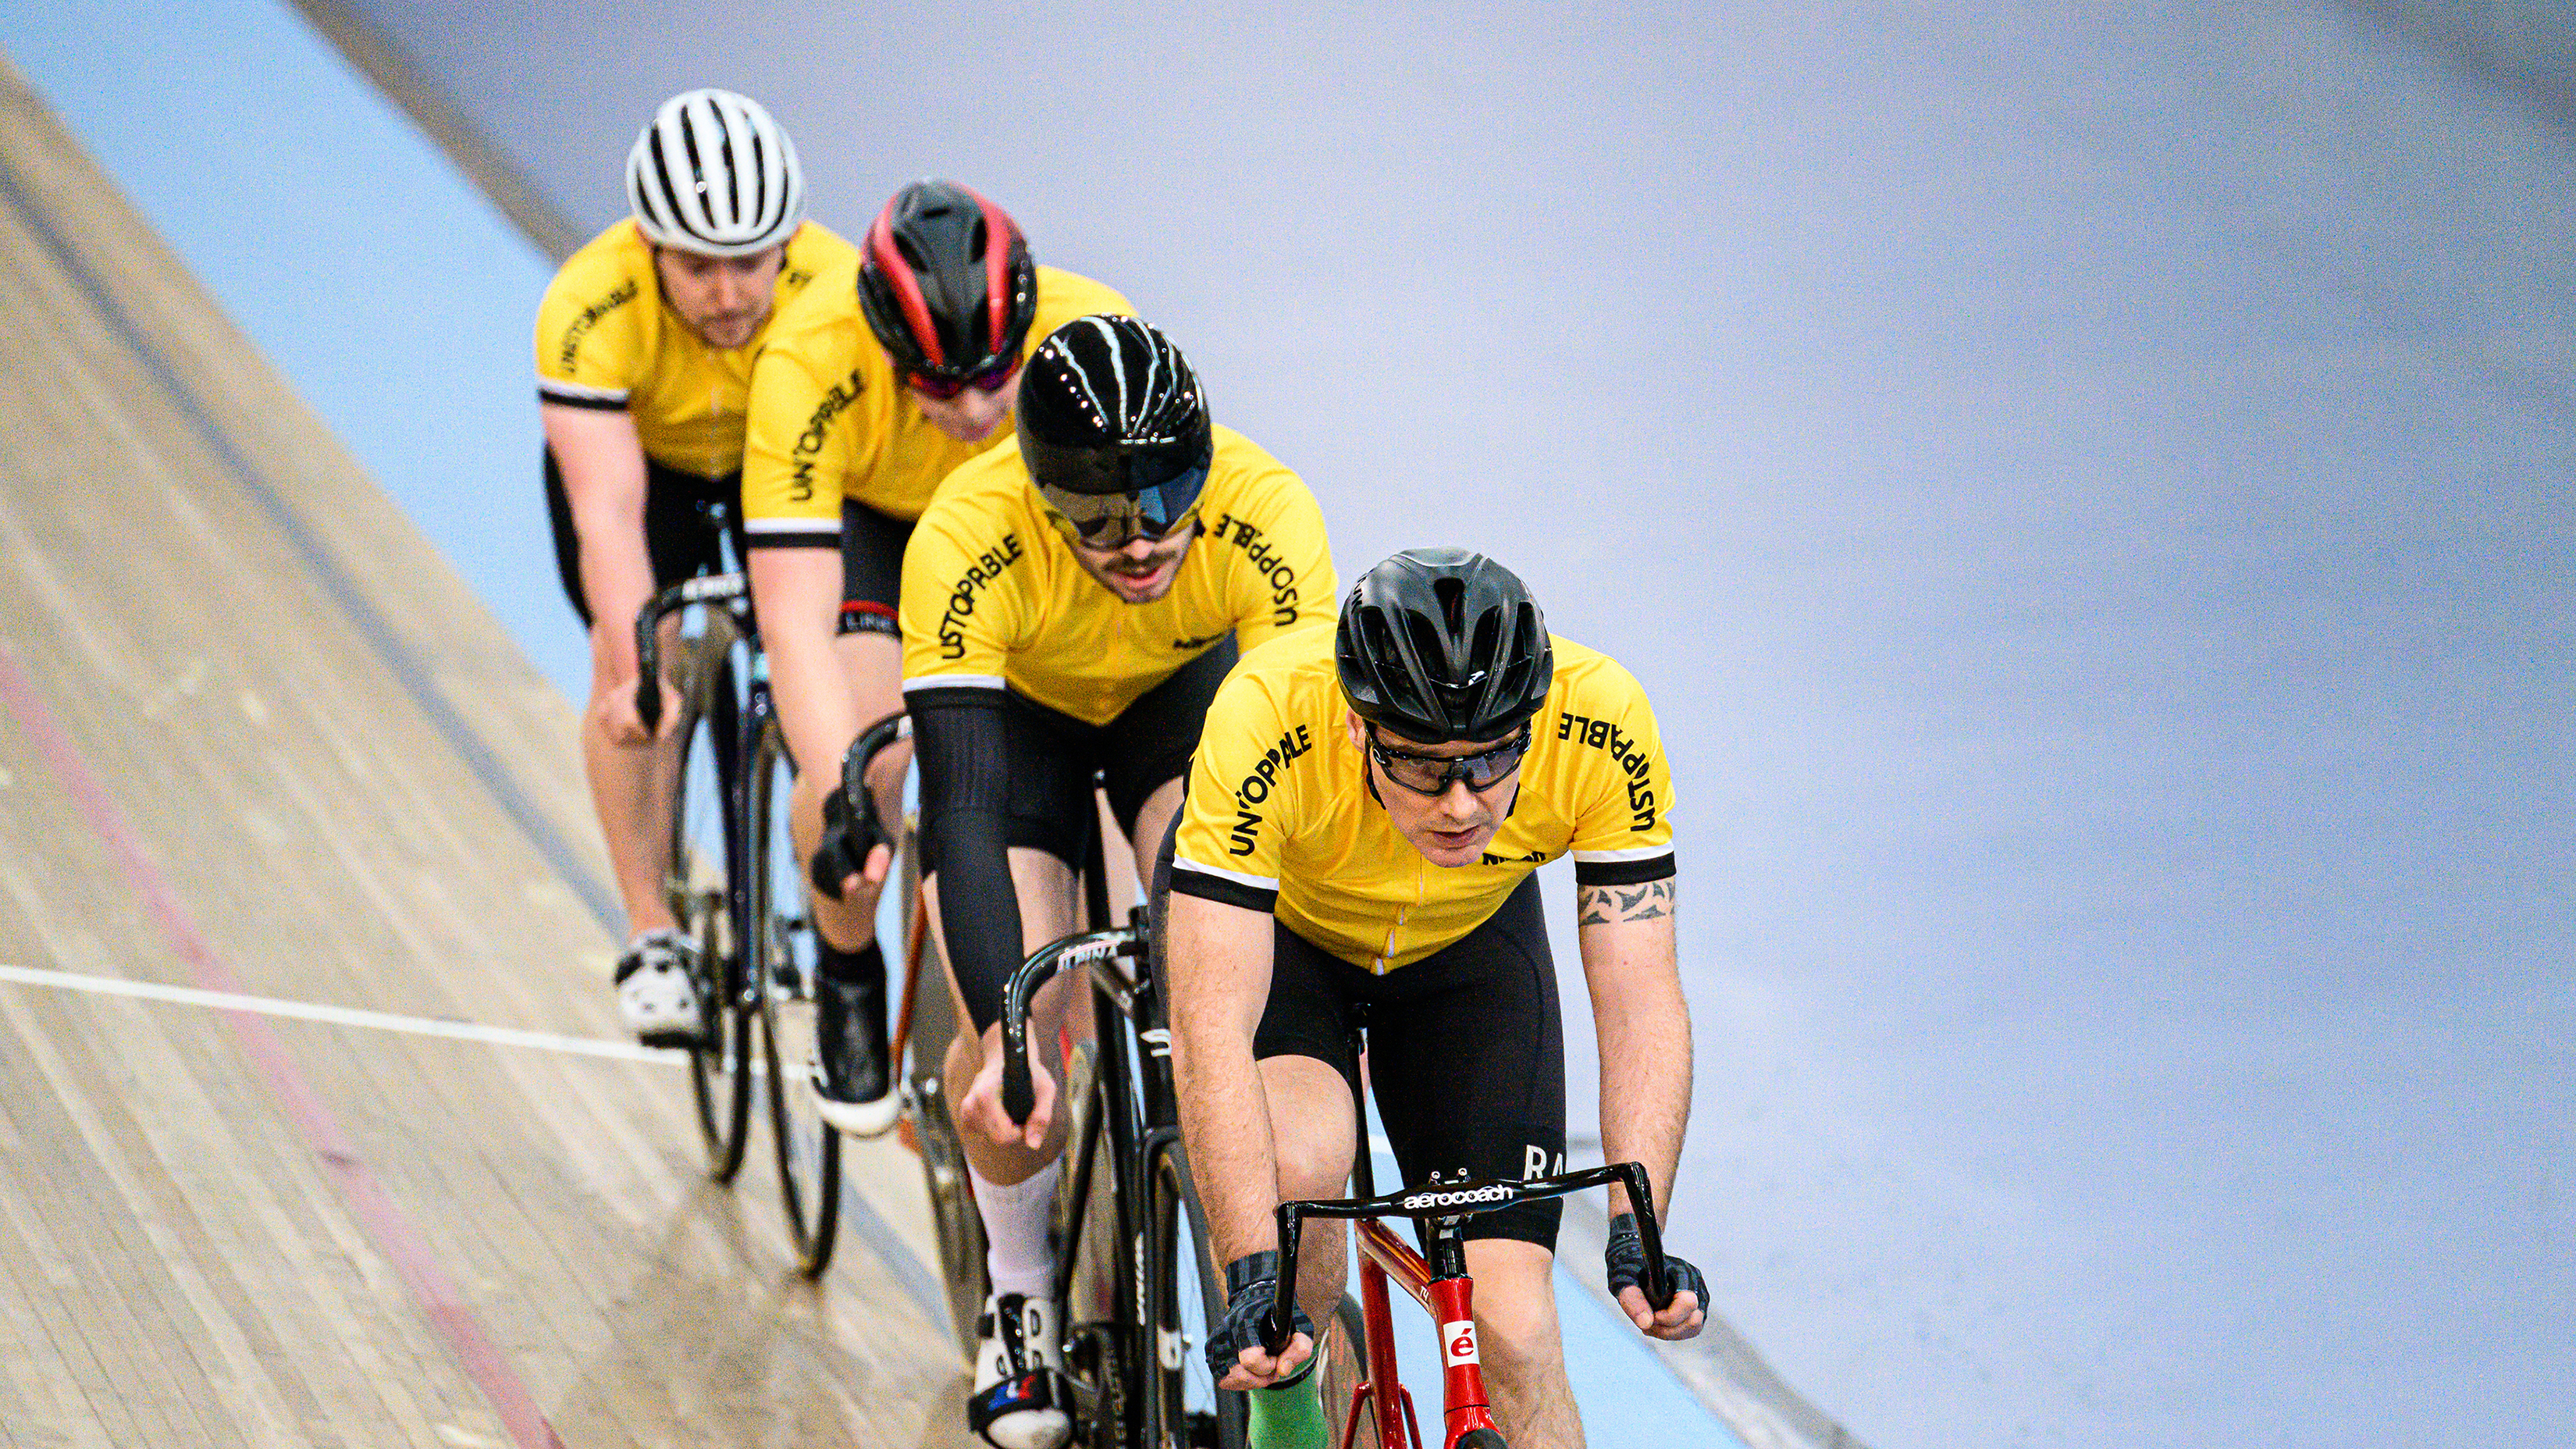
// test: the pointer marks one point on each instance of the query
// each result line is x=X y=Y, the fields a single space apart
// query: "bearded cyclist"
x=1366 y=812
x=645 y=342
x=884 y=377
x=1070 y=602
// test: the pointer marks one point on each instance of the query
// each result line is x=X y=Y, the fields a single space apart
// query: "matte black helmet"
x=1443 y=644
x=1110 y=409
x=946 y=283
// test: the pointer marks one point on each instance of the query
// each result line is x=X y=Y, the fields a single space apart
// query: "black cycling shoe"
x=853 y=1081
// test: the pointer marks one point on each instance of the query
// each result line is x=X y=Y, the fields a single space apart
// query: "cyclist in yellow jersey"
x=1366 y=811
x=644 y=351
x=889 y=372
x=1070 y=602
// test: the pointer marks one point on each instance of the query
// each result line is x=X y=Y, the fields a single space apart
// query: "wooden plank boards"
x=189 y=1253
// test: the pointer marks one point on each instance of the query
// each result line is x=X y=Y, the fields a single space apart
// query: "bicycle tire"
x=1184 y=1293
x=698 y=886
x=781 y=972
x=956 y=1224
x=1344 y=1369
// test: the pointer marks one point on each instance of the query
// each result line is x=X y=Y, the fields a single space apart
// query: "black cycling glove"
x=1626 y=1256
x=848 y=835
x=1251 y=1286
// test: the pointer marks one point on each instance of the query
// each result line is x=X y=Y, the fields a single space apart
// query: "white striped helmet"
x=713 y=174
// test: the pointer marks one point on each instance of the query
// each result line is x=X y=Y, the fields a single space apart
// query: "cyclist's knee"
x=1311 y=1129
x=1516 y=1304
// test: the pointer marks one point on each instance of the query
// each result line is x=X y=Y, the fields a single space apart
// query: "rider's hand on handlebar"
x=1235 y=1351
x=880 y=860
x=1626 y=1259
x=981 y=1109
x=624 y=725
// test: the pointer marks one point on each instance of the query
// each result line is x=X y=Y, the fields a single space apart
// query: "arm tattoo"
x=1601 y=905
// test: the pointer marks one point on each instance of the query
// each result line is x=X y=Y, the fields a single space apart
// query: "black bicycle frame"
x=1142 y=1111
x=750 y=697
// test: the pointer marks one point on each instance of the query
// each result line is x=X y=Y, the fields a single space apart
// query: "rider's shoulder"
x=1589 y=682
x=986 y=492
x=1294 y=670
x=824 y=309
x=814 y=250
x=1063 y=296
x=1245 y=463
x=612 y=268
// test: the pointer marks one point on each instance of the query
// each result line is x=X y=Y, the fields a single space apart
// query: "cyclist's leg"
x=1519 y=1340
x=1044 y=775
x=631 y=784
x=857 y=1080
x=1015 y=1231
x=1311 y=1082
x=1145 y=752
x=870 y=647
x=1467 y=1059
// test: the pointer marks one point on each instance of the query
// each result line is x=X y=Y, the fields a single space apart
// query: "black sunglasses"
x=1115 y=520
x=1432 y=774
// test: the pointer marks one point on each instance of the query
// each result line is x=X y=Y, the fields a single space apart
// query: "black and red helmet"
x=947 y=284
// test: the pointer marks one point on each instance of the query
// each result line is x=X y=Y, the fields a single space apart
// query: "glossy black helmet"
x=1110 y=411
x=946 y=283
x=1443 y=644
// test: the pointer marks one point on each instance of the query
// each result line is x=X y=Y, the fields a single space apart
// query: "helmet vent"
x=1452 y=594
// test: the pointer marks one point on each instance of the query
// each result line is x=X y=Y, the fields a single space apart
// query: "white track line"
x=379 y=1020
x=341 y=1015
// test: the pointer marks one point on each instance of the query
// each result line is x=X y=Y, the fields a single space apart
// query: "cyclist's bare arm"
x=602 y=462
x=1632 y=970
x=797 y=594
x=1218 y=965
x=1217 y=974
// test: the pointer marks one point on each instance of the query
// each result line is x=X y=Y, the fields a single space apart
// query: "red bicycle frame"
x=1451 y=1304
x=1439 y=1282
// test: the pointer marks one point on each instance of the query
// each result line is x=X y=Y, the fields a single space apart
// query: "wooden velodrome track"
x=255 y=737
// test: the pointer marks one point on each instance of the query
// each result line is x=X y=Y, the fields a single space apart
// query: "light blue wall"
x=399 y=304
x=2527 y=43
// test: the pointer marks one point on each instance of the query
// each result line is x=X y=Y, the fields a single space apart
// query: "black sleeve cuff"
x=595 y=404
x=1217 y=888
x=1623 y=872
x=819 y=536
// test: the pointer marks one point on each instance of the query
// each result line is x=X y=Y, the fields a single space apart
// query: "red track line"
x=374 y=1209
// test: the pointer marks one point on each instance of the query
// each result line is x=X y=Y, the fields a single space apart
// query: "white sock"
x=1015 y=1231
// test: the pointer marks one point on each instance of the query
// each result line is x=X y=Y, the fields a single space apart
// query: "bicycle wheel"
x=957 y=1224
x=781 y=968
x=1184 y=1293
x=1345 y=1369
x=698 y=886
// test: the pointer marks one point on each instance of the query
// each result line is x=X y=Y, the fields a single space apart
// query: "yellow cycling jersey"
x=606 y=340
x=993 y=597
x=830 y=419
x=1280 y=817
